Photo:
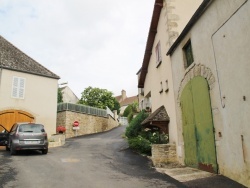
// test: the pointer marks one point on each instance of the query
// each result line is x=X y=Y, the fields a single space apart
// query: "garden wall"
x=163 y=154
x=88 y=124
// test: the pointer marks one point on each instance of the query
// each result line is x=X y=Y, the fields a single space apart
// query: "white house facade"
x=210 y=65
x=155 y=76
x=28 y=91
x=68 y=95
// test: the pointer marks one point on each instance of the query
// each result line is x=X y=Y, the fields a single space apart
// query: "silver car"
x=27 y=136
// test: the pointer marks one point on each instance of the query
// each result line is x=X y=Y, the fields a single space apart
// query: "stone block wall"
x=56 y=140
x=88 y=124
x=163 y=154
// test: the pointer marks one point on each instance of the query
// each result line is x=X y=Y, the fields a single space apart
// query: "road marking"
x=70 y=160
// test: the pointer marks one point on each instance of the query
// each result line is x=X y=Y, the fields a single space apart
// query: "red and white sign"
x=75 y=124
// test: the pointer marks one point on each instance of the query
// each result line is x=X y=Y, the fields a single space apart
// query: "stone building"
x=155 y=76
x=125 y=101
x=28 y=90
x=210 y=65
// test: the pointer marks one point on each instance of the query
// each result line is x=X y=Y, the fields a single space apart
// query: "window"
x=158 y=54
x=161 y=90
x=18 y=87
x=167 y=88
x=188 y=54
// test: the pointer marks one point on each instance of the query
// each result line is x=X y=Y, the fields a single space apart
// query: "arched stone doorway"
x=198 y=128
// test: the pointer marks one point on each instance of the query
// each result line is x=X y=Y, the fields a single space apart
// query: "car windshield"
x=33 y=128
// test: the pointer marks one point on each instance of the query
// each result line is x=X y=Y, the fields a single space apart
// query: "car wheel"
x=12 y=150
x=45 y=151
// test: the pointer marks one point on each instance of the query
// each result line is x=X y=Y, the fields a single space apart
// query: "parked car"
x=27 y=136
x=4 y=134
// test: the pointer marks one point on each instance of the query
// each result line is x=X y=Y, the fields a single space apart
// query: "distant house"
x=125 y=101
x=68 y=95
x=28 y=90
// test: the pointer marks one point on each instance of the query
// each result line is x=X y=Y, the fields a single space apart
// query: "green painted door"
x=198 y=126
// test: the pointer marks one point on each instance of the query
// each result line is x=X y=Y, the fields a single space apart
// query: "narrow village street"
x=93 y=161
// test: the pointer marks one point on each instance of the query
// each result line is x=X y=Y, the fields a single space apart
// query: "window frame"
x=161 y=88
x=158 y=54
x=188 y=54
x=167 y=86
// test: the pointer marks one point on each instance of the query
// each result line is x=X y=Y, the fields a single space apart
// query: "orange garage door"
x=9 y=117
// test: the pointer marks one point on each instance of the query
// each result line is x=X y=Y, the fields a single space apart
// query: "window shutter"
x=21 y=87
x=18 y=87
x=15 y=87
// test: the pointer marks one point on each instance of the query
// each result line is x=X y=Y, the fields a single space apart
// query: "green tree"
x=117 y=106
x=130 y=111
x=127 y=111
x=59 y=95
x=99 y=98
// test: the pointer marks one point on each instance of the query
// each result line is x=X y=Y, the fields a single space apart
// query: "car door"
x=4 y=135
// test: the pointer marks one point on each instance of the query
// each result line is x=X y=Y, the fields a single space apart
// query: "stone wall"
x=163 y=154
x=56 y=140
x=88 y=124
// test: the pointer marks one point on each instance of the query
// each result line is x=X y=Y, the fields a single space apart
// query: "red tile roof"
x=129 y=100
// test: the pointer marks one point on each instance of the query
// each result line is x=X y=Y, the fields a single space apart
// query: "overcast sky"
x=97 y=43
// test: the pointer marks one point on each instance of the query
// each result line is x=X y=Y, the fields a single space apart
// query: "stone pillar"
x=163 y=154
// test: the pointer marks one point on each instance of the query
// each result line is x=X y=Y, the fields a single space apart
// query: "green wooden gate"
x=198 y=129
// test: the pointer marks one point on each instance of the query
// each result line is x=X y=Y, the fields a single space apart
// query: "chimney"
x=123 y=95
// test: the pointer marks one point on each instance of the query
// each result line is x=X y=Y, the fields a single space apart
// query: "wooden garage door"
x=9 y=117
x=198 y=128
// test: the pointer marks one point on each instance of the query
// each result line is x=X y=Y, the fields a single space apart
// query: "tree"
x=99 y=98
x=59 y=95
x=130 y=111
x=117 y=106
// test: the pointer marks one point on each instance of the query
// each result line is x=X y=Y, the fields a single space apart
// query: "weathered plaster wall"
x=40 y=98
x=88 y=123
x=221 y=55
x=173 y=17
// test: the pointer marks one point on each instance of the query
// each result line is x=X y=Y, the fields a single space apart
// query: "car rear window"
x=33 y=128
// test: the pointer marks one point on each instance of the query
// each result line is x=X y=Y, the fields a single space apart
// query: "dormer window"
x=189 y=59
x=158 y=54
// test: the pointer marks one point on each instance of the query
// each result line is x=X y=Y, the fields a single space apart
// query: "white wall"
x=69 y=96
x=220 y=43
x=174 y=16
x=40 y=98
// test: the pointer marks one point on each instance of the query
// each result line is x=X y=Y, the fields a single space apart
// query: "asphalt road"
x=94 y=161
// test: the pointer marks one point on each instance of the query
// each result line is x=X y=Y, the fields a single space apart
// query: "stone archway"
x=9 y=117
x=198 y=128
x=185 y=99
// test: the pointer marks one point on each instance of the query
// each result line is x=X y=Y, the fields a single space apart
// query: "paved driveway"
x=93 y=161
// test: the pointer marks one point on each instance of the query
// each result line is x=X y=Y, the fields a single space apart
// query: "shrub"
x=127 y=111
x=155 y=137
x=130 y=117
x=140 y=145
x=141 y=140
x=134 y=128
